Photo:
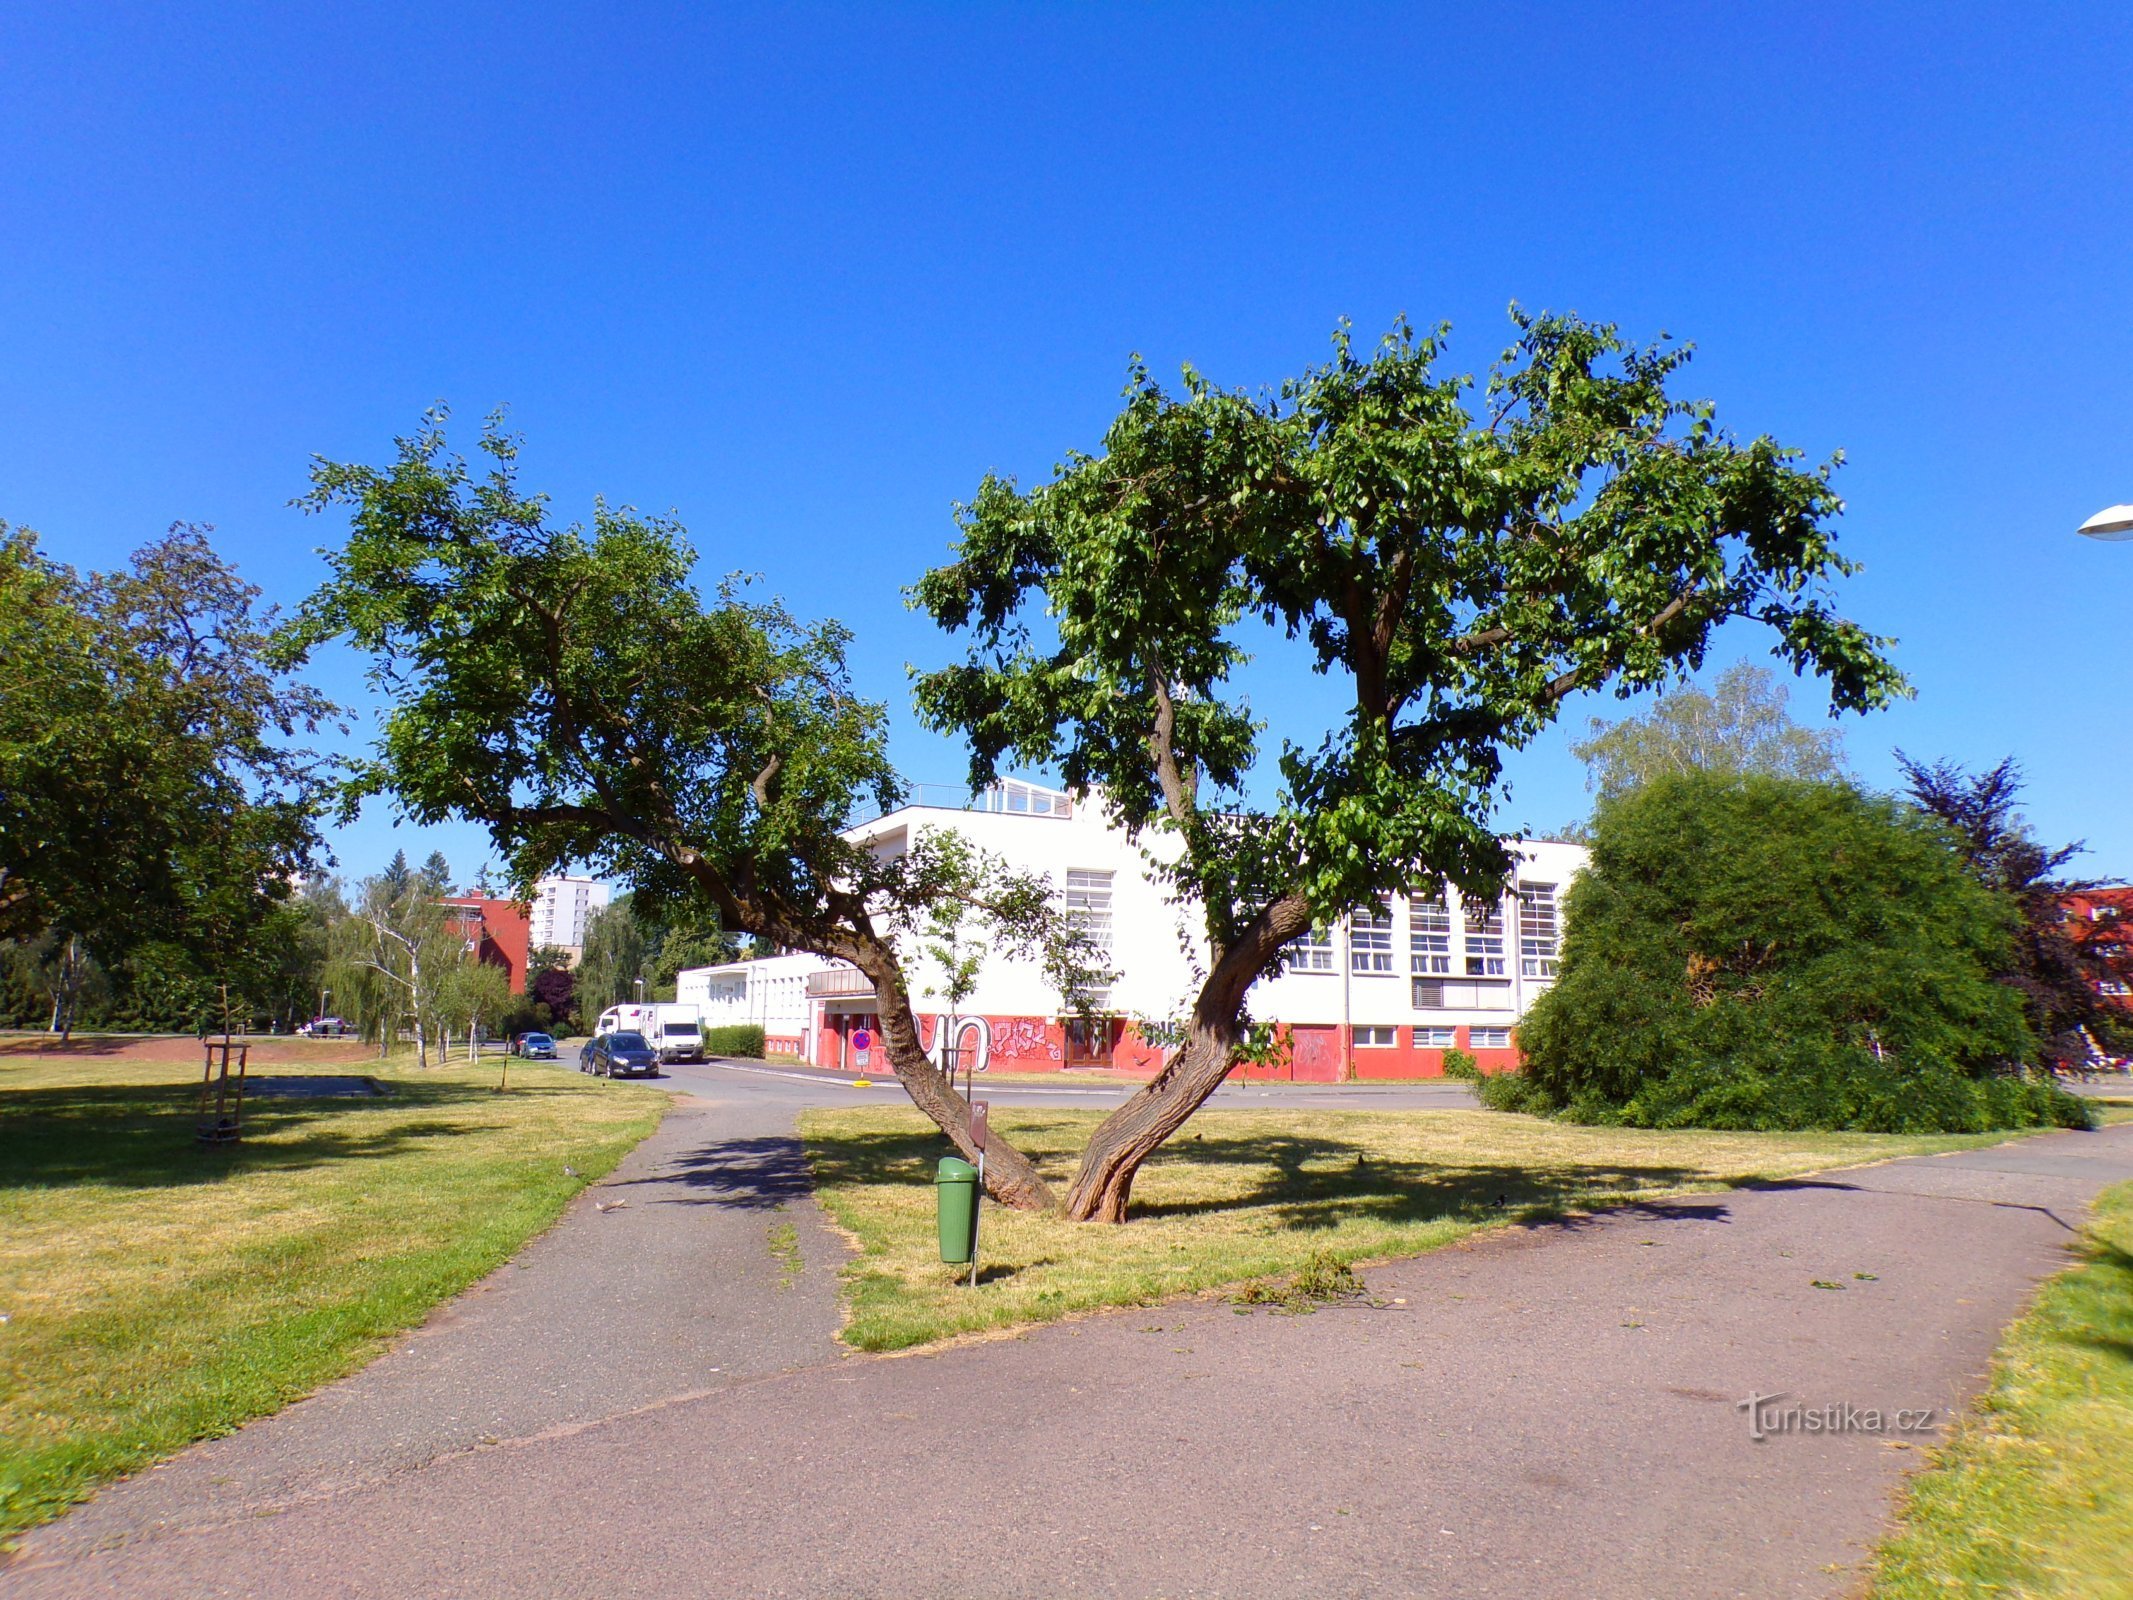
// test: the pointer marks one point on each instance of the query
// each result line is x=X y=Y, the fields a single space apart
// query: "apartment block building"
x=561 y=908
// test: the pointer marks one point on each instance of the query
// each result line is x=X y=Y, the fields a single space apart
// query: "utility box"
x=955 y=1197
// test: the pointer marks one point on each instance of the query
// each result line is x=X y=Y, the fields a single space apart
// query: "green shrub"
x=1512 y=1091
x=1458 y=1064
x=1766 y=953
x=742 y=1039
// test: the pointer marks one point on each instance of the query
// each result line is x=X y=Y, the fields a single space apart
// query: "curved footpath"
x=649 y=1403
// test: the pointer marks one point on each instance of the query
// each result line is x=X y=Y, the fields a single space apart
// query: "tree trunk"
x=1010 y=1176
x=1136 y=1130
x=1103 y=1185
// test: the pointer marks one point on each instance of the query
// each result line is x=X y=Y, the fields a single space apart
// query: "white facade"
x=562 y=907
x=771 y=990
x=1382 y=994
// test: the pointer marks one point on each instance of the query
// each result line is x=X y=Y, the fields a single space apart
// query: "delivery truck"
x=676 y=1031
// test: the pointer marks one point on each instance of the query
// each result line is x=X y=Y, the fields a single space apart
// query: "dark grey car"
x=619 y=1055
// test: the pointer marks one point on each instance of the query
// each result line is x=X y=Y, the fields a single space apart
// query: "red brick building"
x=2101 y=921
x=496 y=931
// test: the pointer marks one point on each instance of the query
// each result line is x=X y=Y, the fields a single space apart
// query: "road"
x=650 y=1403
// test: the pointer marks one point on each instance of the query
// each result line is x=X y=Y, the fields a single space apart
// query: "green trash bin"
x=955 y=1199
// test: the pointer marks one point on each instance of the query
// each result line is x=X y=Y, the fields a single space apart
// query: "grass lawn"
x=2033 y=1495
x=1248 y=1194
x=156 y=1291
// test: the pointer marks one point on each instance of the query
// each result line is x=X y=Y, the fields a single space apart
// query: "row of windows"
x=1434 y=1038
x=1429 y=938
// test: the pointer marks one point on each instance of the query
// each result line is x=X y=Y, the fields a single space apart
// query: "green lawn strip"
x=158 y=1291
x=2033 y=1494
x=1249 y=1194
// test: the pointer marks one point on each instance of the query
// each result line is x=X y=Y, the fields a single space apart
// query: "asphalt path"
x=650 y=1403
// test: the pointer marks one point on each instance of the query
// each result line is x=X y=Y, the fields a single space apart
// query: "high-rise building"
x=562 y=907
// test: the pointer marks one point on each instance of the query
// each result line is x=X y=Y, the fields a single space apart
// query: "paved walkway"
x=1544 y=1412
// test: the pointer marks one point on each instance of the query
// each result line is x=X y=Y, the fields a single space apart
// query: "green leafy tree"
x=1740 y=726
x=62 y=970
x=568 y=688
x=152 y=789
x=1457 y=573
x=471 y=1000
x=398 y=876
x=956 y=947
x=1754 y=952
x=2060 y=968
x=390 y=956
x=613 y=960
x=682 y=945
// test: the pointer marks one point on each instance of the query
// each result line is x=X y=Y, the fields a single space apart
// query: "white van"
x=675 y=1031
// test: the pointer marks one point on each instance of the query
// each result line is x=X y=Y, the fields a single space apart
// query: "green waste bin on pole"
x=955 y=1196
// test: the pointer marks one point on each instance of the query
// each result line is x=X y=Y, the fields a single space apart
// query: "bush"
x=742 y=1039
x=1458 y=1064
x=1766 y=953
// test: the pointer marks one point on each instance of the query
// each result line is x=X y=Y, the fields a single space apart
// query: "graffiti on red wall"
x=1024 y=1039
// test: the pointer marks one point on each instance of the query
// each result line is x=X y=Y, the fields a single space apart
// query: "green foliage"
x=1741 y=726
x=1768 y=953
x=613 y=960
x=1457 y=576
x=2060 y=968
x=389 y=959
x=743 y=1040
x=568 y=688
x=150 y=789
x=1459 y=1064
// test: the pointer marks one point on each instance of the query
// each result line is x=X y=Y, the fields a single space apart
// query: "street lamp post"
x=2112 y=522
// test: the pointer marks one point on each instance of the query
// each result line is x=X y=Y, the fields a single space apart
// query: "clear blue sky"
x=803 y=275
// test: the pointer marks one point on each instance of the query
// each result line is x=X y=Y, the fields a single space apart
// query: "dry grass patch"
x=158 y=1291
x=1251 y=1194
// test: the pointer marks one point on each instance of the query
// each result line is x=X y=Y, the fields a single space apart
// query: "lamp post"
x=323 y=996
x=2112 y=523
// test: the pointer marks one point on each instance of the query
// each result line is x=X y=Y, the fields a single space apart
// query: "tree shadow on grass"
x=142 y=1136
x=1309 y=1183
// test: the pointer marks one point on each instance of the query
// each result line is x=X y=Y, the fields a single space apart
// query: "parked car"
x=619 y=1055
x=534 y=1047
x=327 y=1028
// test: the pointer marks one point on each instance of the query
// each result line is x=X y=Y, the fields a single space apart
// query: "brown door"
x=1088 y=1044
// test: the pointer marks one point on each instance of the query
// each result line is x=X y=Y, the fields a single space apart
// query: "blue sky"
x=803 y=274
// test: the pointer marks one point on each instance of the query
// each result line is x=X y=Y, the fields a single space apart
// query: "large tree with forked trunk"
x=1457 y=569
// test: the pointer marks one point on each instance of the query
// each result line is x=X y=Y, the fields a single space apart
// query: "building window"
x=1376 y=1038
x=1490 y=1038
x=1435 y=1038
x=1429 y=934
x=1088 y=909
x=1538 y=931
x=1484 y=940
x=1310 y=952
x=1370 y=940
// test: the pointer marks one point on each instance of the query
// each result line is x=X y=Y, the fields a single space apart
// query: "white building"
x=562 y=907
x=771 y=990
x=1385 y=994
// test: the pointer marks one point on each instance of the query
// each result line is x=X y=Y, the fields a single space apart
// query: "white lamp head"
x=2112 y=522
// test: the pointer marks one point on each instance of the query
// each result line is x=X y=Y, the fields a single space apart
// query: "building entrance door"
x=1089 y=1043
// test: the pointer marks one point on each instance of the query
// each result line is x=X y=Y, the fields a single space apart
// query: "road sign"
x=980 y=1124
x=862 y=1040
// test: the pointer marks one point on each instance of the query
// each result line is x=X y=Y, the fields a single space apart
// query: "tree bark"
x=1103 y=1185
x=1010 y=1176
